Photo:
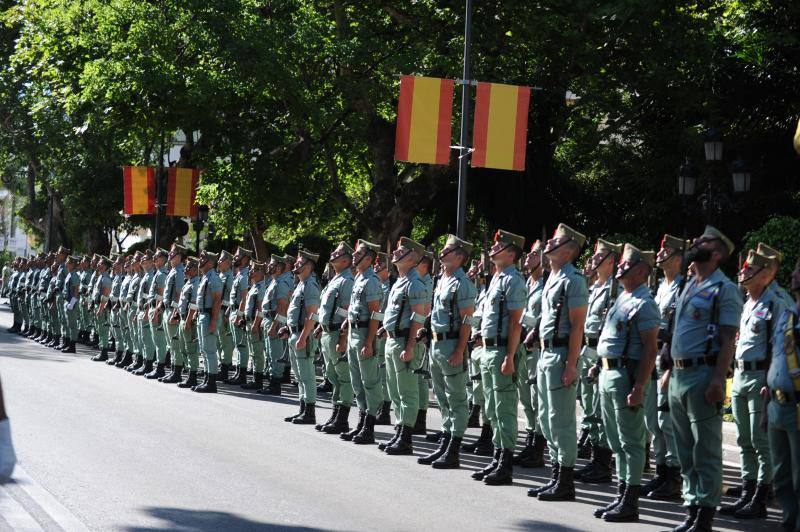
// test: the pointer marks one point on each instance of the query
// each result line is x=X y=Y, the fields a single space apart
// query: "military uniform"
x=143 y=317
x=210 y=285
x=170 y=317
x=420 y=425
x=69 y=294
x=276 y=348
x=224 y=336
x=384 y=413
x=154 y=316
x=187 y=330
x=236 y=301
x=101 y=316
x=132 y=311
x=255 y=339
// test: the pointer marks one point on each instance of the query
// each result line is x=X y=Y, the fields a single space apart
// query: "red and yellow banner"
x=424 y=120
x=140 y=189
x=181 y=191
x=501 y=126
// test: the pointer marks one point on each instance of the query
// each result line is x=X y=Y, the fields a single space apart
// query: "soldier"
x=783 y=388
x=11 y=292
x=132 y=310
x=118 y=285
x=703 y=342
x=42 y=308
x=451 y=320
x=143 y=316
x=273 y=309
x=753 y=353
x=335 y=300
x=236 y=300
x=86 y=275
x=252 y=329
x=627 y=353
x=209 y=319
x=224 y=335
x=61 y=256
x=155 y=297
x=532 y=455
x=100 y=300
x=69 y=295
x=405 y=314
x=187 y=329
x=602 y=295
x=363 y=323
x=564 y=304
x=381 y=268
x=666 y=484
x=300 y=318
x=173 y=286
x=424 y=269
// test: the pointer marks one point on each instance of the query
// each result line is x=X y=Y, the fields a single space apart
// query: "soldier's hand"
x=186 y=326
x=381 y=333
x=507 y=367
x=317 y=331
x=594 y=371
x=456 y=358
x=283 y=333
x=764 y=392
x=715 y=393
x=407 y=355
x=636 y=396
x=300 y=344
x=422 y=333
x=530 y=340
x=569 y=375
x=664 y=381
x=367 y=350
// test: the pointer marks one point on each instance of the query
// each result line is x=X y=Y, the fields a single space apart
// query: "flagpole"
x=463 y=159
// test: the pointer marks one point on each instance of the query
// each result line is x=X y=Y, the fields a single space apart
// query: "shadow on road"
x=191 y=520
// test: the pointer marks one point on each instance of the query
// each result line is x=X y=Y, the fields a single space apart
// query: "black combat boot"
x=384 y=444
x=480 y=475
x=223 y=373
x=627 y=511
x=428 y=459
x=420 y=427
x=308 y=418
x=366 y=436
x=175 y=376
x=757 y=507
x=584 y=446
x=125 y=360
x=146 y=368
x=239 y=378
x=688 y=522
x=671 y=488
x=117 y=357
x=383 y=417
x=601 y=470
x=530 y=456
x=54 y=342
x=646 y=468
x=614 y=502
x=348 y=436
x=286 y=378
x=483 y=445
x=748 y=490
x=289 y=419
x=70 y=347
x=451 y=457
x=102 y=356
x=209 y=386
x=340 y=423
x=135 y=364
x=156 y=373
x=474 y=420
x=273 y=388
x=325 y=387
x=564 y=489
x=434 y=437
x=257 y=384
x=403 y=445
x=656 y=481
x=190 y=381
x=330 y=420
x=504 y=472
x=704 y=521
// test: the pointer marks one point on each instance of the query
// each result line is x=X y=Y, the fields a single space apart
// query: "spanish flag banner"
x=424 y=120
x=501 y=126
x=139 y=184
x=181 y=191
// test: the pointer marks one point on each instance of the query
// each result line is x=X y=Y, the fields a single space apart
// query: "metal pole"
x=466 y=111
x=158 y=193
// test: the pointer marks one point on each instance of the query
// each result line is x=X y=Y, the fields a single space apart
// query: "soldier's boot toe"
x=479 y=475
x=403 y=445
x=600 y=473
x=156 y=373
x=704 y=520
x=308 y=417
x=428 y=459
x=175 y=376
x=340 y=424
x=329 y=421
x=102 y=356
x=348 y=436
x=451 y=458
x=289 y=419
x=534 y=492
x=256 y=384
x=747 y=493
x=757 y=507
x=613 y=504
x=688 y=521
x=273 y=388
x=366 y=435
x=504 y=472
x=190 y=381
x=384 y=444
x=671 y=488
x=209 y=386
x=564 y=489
x=627 y=511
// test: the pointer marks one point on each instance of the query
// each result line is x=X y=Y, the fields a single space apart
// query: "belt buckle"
x=605 y=363
x=740 y=365
x=679 y=363
x=780 y=397
x=435 y=336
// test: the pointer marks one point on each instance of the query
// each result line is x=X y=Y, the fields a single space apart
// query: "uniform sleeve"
x=282 y=290
x=311 y=294
x=466 y=294
x=516 y=293
x=245 y=283
x=417 y=293
x=215 y=286
x=648 y=316
x=346 y=291
x=373 y=291
x=730 y=306
x=577 y=292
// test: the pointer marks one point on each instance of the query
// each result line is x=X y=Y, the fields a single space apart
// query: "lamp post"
x=741 y=176
x=198 y=223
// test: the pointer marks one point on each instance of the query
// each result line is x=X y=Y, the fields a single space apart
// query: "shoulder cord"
x=713 y=324
x=453 y=306
x=562 y=297
x=402 y=309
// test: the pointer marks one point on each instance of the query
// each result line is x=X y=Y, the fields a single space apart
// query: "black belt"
x=755 y=365
x=783 y=398
x=270 y=314
x=684 y=363
x=397 y=334
x=329 y=329
x=356 y=324
x=438 y=337
x=614 y=363
x=591 y=342
x=495 y=342
x=204 y=311
x=550 y=343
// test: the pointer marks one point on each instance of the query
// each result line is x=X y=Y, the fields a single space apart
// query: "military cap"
x=605 y=245
x=428 y=254
x=161 y=252
x=177 y=249
x=192 y=262
x=308 y=255
x=382 y=259
x=148 y=254
x=288 y=259
x=633 y=255
x=673 y=242
x=455 y=242
x=713 y=232
x=72 y=259
x=767 y=251
x=104 y=260
x=412 y=245
x=63 y=251
x=343 y=248
x=224 y=255
x=242 y=252
x=208 y=256
x=535 y=247
x=277 y=258
x=369 y=245
x=563 y=230
x=509 y=238
x=259 y=266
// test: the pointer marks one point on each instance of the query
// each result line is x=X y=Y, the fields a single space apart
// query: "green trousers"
x=698 y=435
x=422 y=382
x=276 y=351
x=528 y=390
x=148 y=345
x=402 y=381
x=589 y=393
x=784 y=444
x=189 y=346
x=625 y=428
x=557 y=419
x=337 y=370
x=173 y=339
x=380 y=352
x=450 y=387
x=159 y=337
x=748 y=408
x=500 y=397
x=239 y=340
x=71 y=322
x=207 y=343
x=255 y=347
x=365 y=373
x=103 y=328
x=303 y=366
x=61 y=310
x=116 y=329
x=659 y=424
x=225 y=341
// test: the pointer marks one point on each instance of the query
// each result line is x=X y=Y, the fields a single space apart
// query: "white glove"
x=71 y=303
x=7 y=457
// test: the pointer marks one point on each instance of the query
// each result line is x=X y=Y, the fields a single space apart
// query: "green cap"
x=369 y=245
x=563 y=230
x=453 y=241
x=242 y=252
x=177 y=249
x=308 y=255
x=413 y=245
x=506 y=237
x=342 y=249
x=224 y=255
x=713 y=232
x=605 y=245
x=634 y=255
x=770 y=252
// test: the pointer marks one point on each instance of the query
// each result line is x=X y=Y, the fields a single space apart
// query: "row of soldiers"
x=644 y=366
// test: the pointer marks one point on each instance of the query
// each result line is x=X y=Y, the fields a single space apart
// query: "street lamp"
x=741 y=176
x=198 y=223
x=713 y=145
x=687 y=179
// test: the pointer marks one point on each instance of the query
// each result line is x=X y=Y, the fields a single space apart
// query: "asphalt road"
x=100 y=449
